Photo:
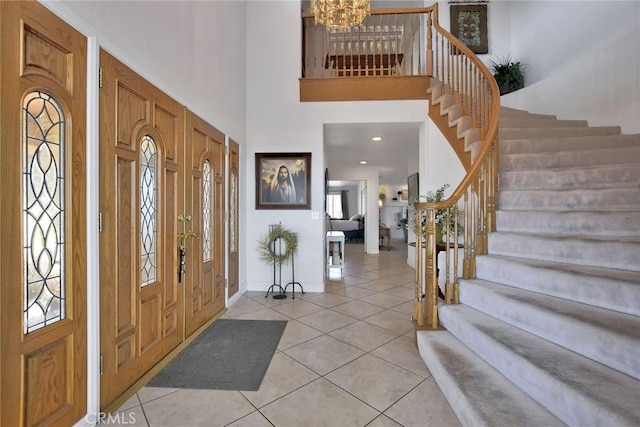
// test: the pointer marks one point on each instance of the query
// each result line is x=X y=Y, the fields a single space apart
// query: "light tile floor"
x=346 y=359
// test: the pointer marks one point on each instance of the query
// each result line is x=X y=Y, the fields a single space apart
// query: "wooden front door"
x=234 y=215
x=141 y=196
x=43 y=336
x=203 y=221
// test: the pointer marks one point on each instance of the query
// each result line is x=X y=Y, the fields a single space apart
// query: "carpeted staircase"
x=549 y=332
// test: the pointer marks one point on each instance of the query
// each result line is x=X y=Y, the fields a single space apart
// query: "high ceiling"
x=349 y=143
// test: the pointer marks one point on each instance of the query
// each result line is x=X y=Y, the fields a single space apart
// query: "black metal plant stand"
x=293 y=282
x=281 y=291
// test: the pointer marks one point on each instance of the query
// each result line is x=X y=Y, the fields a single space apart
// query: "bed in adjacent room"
x=353 y=227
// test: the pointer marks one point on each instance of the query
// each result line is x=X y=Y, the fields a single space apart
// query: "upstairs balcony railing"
x=389 y=44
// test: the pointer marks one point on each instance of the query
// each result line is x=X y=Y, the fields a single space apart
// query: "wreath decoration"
x=266 y=245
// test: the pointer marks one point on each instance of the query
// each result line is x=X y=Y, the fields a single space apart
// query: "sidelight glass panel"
x=148 y=211
x=43 y=203
x=206 y=211
x=232 y=211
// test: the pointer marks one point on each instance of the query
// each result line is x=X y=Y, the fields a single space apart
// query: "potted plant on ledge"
x=509 y=74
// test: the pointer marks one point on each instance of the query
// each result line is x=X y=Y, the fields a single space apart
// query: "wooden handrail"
x=476 y=192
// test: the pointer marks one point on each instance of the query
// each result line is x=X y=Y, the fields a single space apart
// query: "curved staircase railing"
x=465 y=105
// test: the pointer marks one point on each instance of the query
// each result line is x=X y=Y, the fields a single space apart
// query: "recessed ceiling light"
x=363 y=162
x=376 y=138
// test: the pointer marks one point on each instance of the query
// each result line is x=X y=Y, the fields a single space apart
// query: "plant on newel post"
x=430 y=226
x=442 y=216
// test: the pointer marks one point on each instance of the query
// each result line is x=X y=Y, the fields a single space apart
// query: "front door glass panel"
x=206 y=211
x=148 y=210
x=43 y=201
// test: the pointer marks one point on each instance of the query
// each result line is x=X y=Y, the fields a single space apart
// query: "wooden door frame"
x=233 y=261
x=62 y=74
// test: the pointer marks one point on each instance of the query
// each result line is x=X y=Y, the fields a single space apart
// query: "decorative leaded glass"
x=206 y=211
x=43 y=202
x=232 y=212
x=148 y=211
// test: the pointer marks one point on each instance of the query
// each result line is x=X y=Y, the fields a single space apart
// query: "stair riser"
x=454 y=114
x=570 y=179
x=597 y=253
x=519 y=146
x=556 y=132
x=614 y=350
x=598 y=291
x=613 y=199
x=444 y=101
x=576 y=158
x=570 y=223
x=564 y=400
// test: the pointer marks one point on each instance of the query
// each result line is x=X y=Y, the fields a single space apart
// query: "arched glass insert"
x=233 y=196
x=43 y=202
x=148 y=211
x=206 y=211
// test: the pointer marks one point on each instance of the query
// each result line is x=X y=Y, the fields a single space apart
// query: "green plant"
x=509 y=74
x=441 y=214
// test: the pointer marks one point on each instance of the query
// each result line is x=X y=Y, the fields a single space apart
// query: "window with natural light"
x=334 y=205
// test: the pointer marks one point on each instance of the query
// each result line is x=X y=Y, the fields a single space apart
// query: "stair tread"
x=516 y=113
x=595 y=238
x=557 y=132
x=594 y=176
x=483 y=396
x=611 y=322
x=613 y=223
x=532 y=145
x=551 y=370
x=561 y=159
x=604 y=273
x=513 y=122
x=576 y=199
x=618 y=252
x=611 y=289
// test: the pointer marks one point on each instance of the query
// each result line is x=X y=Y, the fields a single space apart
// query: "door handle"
x=182 y=253
x=184 y=236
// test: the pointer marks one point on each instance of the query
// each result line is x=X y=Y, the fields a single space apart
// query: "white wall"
x=277 y=121
x=195 y=51
x=583 y=63
x=583 y=57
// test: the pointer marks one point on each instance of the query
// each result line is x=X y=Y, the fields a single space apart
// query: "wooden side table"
x=382 y=233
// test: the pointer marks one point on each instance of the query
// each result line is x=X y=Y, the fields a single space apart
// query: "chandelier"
x=340 y=14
